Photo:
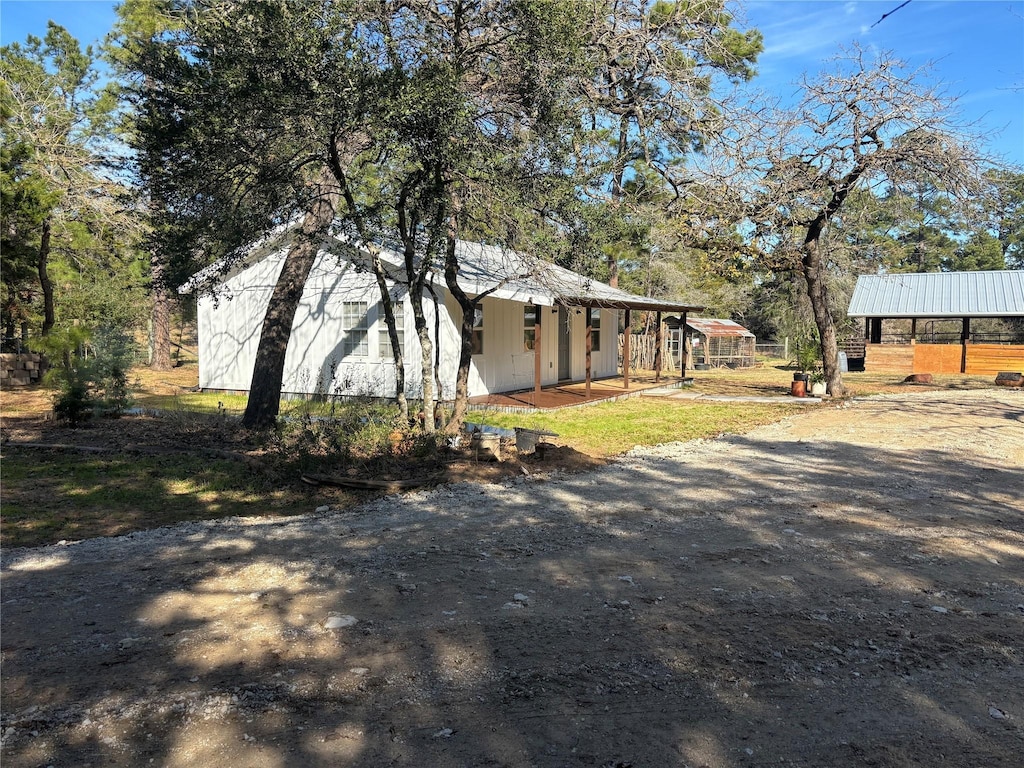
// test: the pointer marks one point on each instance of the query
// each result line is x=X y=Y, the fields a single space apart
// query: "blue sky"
x=977 y=45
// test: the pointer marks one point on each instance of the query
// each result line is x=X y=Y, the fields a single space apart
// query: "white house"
x=339 y=343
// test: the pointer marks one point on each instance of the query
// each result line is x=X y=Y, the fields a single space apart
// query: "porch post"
x=682 y=348
x=590 y=344
x=659 y=342
x=913 y=330
x=625 y=350
x=537 y=315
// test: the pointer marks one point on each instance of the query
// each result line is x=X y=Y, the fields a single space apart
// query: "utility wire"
x=890 y=13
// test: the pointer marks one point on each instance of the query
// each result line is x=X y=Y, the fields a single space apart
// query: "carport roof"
x=995 y=293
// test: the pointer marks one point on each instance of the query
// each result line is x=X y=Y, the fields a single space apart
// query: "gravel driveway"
x=844 y=588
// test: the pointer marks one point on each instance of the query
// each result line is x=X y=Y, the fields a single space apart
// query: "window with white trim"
x=354 y=320
x=529 y=327
x=595 y=330
x=478 y=330
x=383 y=338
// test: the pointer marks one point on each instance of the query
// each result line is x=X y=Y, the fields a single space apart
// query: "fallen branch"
x=61 y=447
x=389 y=486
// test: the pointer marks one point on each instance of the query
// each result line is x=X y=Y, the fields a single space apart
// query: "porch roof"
x=507 y=274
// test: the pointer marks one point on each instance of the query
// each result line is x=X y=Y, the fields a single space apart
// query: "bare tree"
x=867 y=124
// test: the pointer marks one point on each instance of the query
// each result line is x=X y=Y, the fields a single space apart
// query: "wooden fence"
x=641 y=353
x=990 y=359
x=972 y=359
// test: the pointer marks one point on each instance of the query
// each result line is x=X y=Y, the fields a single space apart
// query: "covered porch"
x=572 y=394
x=577 y=392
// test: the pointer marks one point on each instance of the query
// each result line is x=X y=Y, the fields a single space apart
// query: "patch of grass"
x=612 y=428
x=229 y=405
x=54 y=495
x=194 y=402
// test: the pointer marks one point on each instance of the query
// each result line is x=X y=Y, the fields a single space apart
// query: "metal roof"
x=710 y=326
x=507 y=274
x=995 y=293
x=483 y=269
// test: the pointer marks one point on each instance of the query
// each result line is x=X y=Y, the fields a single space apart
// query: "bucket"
x=798 y=388
x=526 y=440
x=487 y=446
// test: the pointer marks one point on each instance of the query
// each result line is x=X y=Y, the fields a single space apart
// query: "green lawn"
x=611 y=428
x=49 y=495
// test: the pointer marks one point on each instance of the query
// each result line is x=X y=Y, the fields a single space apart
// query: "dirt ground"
x=844 y=588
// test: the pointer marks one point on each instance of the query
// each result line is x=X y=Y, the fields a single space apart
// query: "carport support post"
x=965 y=339
x=537 y=315
x=659 y=342
x=590 y=344
x=627 y=331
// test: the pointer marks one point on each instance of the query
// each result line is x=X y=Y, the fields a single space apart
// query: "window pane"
x=529 y=328
x=478 y=331
x=595 y=327
x=356 y=325
x=529 y=339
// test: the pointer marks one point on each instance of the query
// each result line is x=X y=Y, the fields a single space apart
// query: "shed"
x=934 y=297
x=716 y=343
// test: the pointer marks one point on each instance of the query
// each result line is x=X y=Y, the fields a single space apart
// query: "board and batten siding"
x=230 y=323
x=604 y=362
x=506 y=364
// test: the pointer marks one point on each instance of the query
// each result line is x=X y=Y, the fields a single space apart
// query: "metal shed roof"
x=710 y=326
x=996 y=293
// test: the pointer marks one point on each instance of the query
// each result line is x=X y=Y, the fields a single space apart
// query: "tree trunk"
x=438 y=386
x=417 y=274
x=161 y=317
x=268 y=374
x=337 y=170
x=468 y=305
x=426 y=362
x=618 y=192
x=49 y=318
x=460 y=406
x=817 y=292
x=426 y=347
x=397 y=353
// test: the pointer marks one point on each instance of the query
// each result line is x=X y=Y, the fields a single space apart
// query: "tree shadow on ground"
x=740 y=602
